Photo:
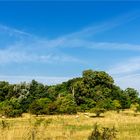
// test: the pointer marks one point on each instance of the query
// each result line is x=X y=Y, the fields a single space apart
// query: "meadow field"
x=68 y=127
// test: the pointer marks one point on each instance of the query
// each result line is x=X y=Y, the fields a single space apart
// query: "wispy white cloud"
x=105 y=25
x=114 y=46
x=129 y=66
x=80 y=38
x=13 y=31
x=31 y=50
x=127 y=73
x=81 y=43
x=130 y=80
x=14 y=56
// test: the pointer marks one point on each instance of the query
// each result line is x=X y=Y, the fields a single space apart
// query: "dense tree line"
x=95 y=91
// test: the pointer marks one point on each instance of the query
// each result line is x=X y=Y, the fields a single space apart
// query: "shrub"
x=66 y=105
x=97 y=111
x=135 y=107
x=4 y=124
x=40 y=106
x=11 y=108
x=116 y=105
x=103 y=133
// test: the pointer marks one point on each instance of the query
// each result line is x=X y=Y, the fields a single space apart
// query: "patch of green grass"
x=78 y=127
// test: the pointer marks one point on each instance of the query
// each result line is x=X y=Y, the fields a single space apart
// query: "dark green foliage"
x=52 y=108
x=95 y=91
x=52 y=93
x=132 y=95
x=103 y=133
x=11 y=108
x=4 y=90
x=40 y=106
x=94 y=78
x=95 y=86
x=37 y=90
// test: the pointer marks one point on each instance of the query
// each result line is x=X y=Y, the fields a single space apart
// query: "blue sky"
x=54 y=41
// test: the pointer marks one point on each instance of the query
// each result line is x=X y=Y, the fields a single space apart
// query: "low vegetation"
x=121 y=126
x=103 y=133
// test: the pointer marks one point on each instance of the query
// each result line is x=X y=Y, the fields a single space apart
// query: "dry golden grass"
x=68 y=127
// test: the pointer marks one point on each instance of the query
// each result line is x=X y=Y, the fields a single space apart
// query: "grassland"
x=68 y=127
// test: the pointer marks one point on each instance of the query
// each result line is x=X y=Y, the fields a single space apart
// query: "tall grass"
x=68 y=127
